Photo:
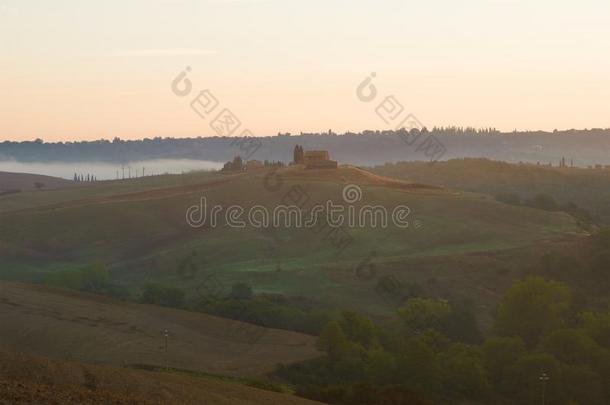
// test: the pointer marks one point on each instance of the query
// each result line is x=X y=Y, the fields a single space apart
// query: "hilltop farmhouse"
x=313 y=159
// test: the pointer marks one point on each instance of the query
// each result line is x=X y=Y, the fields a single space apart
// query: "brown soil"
x=25 y=182
x=28 y=379
x=352 y=174
x=69 y=325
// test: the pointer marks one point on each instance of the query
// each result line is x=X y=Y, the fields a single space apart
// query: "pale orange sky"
x=87 y=70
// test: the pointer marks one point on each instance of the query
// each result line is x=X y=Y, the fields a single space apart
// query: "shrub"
x=159 y=294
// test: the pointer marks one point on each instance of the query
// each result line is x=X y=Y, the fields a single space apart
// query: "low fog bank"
x=108 y=171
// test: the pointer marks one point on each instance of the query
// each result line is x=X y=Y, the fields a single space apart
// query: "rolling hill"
x=26 y=379
x=588 y=188
x=17 y=182
x=138 y=229
x=63 y=324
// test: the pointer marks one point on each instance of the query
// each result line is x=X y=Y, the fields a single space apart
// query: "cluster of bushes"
x=93 y=278
x=456 y=320
x=536 y=330
x=363 y=393
x=586 y=270
x=238 y=165
x=270 y=310
x=159 y=294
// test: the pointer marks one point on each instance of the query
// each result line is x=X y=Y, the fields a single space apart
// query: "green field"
x=138 y=229
x=588 y=188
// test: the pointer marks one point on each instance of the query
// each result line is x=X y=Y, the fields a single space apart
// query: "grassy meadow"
x=137 y=228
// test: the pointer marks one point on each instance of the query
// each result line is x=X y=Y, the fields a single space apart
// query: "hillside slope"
x=26 y=182
x=142 y=235
x=82 y=327
x=588 y=188
x=26 y=379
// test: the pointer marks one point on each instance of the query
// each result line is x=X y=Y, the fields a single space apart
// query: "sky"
x=82 y=70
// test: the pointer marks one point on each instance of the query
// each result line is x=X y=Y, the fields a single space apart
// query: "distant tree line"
x=349 y=147
x=238 y=165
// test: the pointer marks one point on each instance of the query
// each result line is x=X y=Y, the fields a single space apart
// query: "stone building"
x=318 y=159
x=254 y=164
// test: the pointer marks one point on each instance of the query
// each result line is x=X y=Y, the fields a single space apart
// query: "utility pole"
x=544 y=378
x=166 y=336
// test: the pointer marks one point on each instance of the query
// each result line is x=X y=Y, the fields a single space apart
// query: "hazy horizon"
x=299 y=133
x=108 y=170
